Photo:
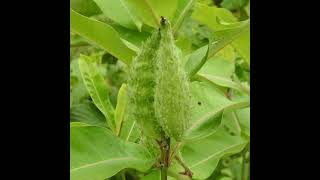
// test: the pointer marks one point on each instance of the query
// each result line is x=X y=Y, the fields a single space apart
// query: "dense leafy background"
x=214 y=37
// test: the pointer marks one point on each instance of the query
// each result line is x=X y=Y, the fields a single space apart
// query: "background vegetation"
x=214 y=37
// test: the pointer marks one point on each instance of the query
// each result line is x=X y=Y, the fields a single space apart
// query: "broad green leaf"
x=244 y=118
x=202 y=156
x=227 y=36
x=97 y=88
x=196 y=60
x=122 y=102
x=242 y=45
x=101 y=34
x=208 y=15
x=78 y=91
x=185 y=45
x=224 y=34
x=222 y=39
x=121 y=12
x=222 y=81
x=238 y=120
x=85 y=7
x=155 y=175
x=77 y=124
x=134 y=37
x=233 y=4
x=209 y=105
x=184 y=8
x=227 y=53
x=88 y=113
x=96 y=154
x=130 y=130
x=218 y=66
x=151 y=10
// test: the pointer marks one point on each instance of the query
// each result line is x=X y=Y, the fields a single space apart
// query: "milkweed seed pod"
x=172 y=90
x=141 y=86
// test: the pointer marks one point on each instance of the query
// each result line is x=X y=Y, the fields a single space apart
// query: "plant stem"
x=175 y=149
x=165 y=155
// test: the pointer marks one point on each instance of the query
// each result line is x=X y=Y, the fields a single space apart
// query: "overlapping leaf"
x=209 y=105
x=151 y=10
x=202 y=156
x=85 y=7
x=101 y=34
x=97 y=88
x=121 y=12
x=96 y=153
x=88 y=113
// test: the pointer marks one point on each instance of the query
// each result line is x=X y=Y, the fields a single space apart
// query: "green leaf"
x=151 y=10
x=202 y=156
x=155 y=175
x=121 y=12
x=226 y=36
x=209 y=105
x=132 y=36
x=97 y=88
x=196 y=60
x=222 y=81
x=238 y=120
x=88 y=113
x=85 y=7
x=218 y=66
x=126 y=127
x=101 y=34
x=96 y=154
x=222 y=39
x=208 y=15
x=122 y=102
x=184 y=8
x=242 y=45
x=230 y=31
x=233 y=4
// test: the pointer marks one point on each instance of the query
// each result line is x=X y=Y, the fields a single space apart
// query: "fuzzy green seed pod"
x=141 y=87
x=172 y=91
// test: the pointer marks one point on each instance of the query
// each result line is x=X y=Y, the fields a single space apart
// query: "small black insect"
x=163 y=20
x=199 y=103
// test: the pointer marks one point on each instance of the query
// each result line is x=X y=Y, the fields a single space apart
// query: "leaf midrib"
x=215 y=154
x=102 y=162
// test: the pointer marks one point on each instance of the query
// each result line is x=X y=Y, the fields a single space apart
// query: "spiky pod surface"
x=172 y=89
x=141 y=86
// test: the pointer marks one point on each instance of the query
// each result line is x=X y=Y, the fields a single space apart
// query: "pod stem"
x=165 y=157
